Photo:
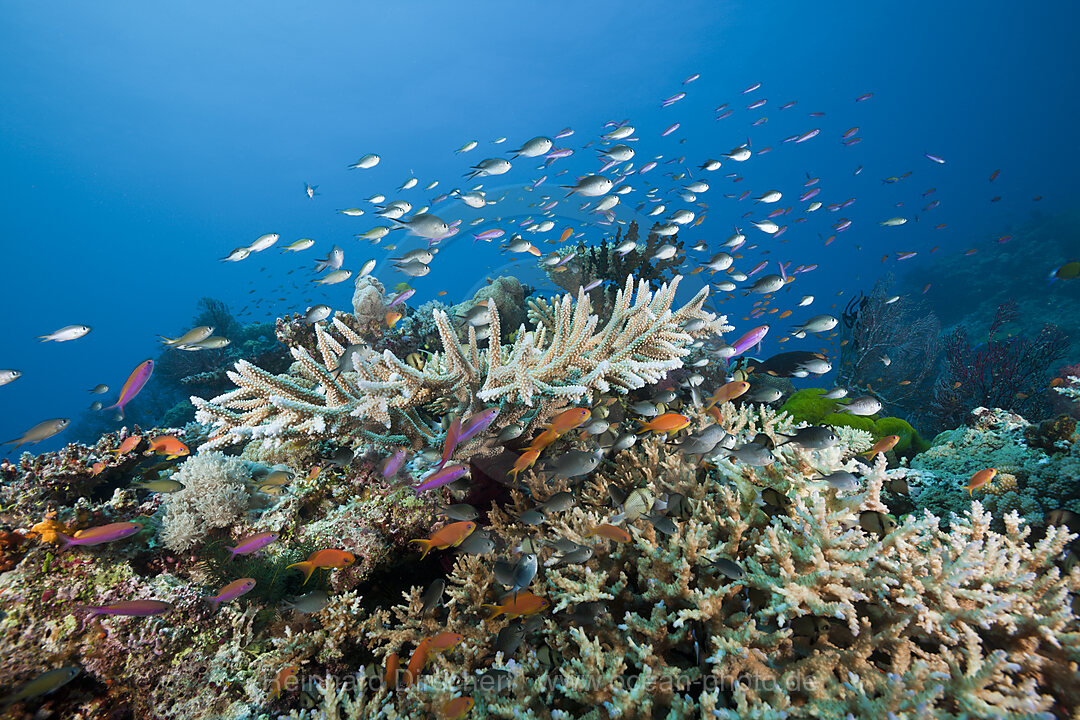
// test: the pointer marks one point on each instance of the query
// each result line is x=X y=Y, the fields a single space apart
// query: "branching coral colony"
x=775 y=596
x=377 y=399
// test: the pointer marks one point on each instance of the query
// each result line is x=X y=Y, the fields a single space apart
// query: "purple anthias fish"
x=489 y=235
x=101 y=534
x=809 y=194
x=445 y=476
x=647 y=167
x=749 y=340
x=232 y=591
x=674 y=99
x=393 y=464
x=671 y=128
x=807 y=135
x=252 y=544
x=135 y=382
x=477 y=424
x=402 y=297
x=593 y=285
x=134 y=608
x=565 y=133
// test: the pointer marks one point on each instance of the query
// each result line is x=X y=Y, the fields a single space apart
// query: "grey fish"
x=576 y=463
x=332 y=261
x=7 y=376
x=100 y=389
x=728 y=568
x=315 y=313
x=678 y=505
x=313 y=602
x=645 y=409
x=814 y=437
x=510 y=432
x=558 y=502
x=662 y=523
x=563 y=545
x=625 y=442
x=524 y=571
x=865 y=405
x=503 y=571
x=532 y=517
x=414 y=268
x=765 y=395
x=766 y=284
x=664 y=396
x=460 y=511
x=494 y=680
x=510 y=638
x=479 y=543
x=753 y=454
x=432 y=596
x=96 y=405
x=586 y=613
x=816 y=324
x=702 y=441
x=341 y=457
x=347 y=361
x=835 y=394
x=42 y=431
x=839 y=480
x=580 y=554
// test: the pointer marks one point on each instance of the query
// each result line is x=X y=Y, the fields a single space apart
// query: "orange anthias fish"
x=525 y=461
x=544 y=439
x=457 y=708
x=447 y=536
x=417 y=662
x=445 y=641
x=390 y=677
x=728 y=392
x=666 y=423
x=130 y=443
x=567 y=420
x=285 y=680
x=97 y=468
x=517 y=605
x=885 y=444
x=329 y=558
x=392 y=318
x=169 y=446
x=611 y=532
x=566 y=235
x=979 y=479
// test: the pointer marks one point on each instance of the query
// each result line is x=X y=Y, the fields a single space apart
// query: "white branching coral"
x=375 y=398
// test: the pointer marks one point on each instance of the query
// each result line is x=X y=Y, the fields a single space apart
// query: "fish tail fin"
x=426 y=544
x=643 y=427
x=305 y=567
x=232 y=552
x=494 y=610
x=66 y=539
x=214 y=603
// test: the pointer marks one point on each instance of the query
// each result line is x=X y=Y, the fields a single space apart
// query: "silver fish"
x=317 y=313
x=865 y=405
x=42 y=431
x=66 y=333
x=7 y=376
x=814 y=437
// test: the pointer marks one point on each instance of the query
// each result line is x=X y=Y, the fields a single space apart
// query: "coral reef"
x=1031 y=480
x=808 y=406
x=369 y=302
x=214 y=496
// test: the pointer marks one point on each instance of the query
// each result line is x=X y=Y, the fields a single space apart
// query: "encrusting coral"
x=564 y=359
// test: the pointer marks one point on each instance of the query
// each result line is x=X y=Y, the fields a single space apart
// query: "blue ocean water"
x=141 y=143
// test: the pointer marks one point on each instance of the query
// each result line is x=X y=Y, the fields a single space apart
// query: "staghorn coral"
x=564 y=359
x=827 y=620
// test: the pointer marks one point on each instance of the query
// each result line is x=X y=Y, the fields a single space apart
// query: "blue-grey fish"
x=814 y=437
x=575 y=464
x=840 y=480
x=865 y=405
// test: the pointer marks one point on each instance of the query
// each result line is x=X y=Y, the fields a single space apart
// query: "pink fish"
x=932 y=205
x=817 y=114
x=789 y=138
x=101 y=534
x=850 y=133
x=402 y=297
x=647 y=167
x=547 y=206
x=566 y=259
x=935 y=158
x=135 y=382
x=476 y=424
x=489 y=235
x=232 y=591
x=540 y=181
x=809 y=194
x=843 y=225
x=392 y=464
x=132 y=608
x=905 y=255
x=757 y=268
x=864 y=96
x=673 y=99
x=721 y=108
x=853 y=141
x=759 y=121
x=443 y=476
x=559 y=153
x=808 y=268
x=566 y=132
x=671 y=128
x=756 y=104
x=789 y=104
x=752 y=88
x=811 y=181
x=781 y=231
x=776 y=213
x=691 y=79
x=252 y=543
x=764 y=150
x=749 y=340
x=593 y=285
x=807 y=135
x=726 y=113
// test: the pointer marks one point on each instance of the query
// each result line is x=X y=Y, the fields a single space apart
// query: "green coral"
x=808 y=406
